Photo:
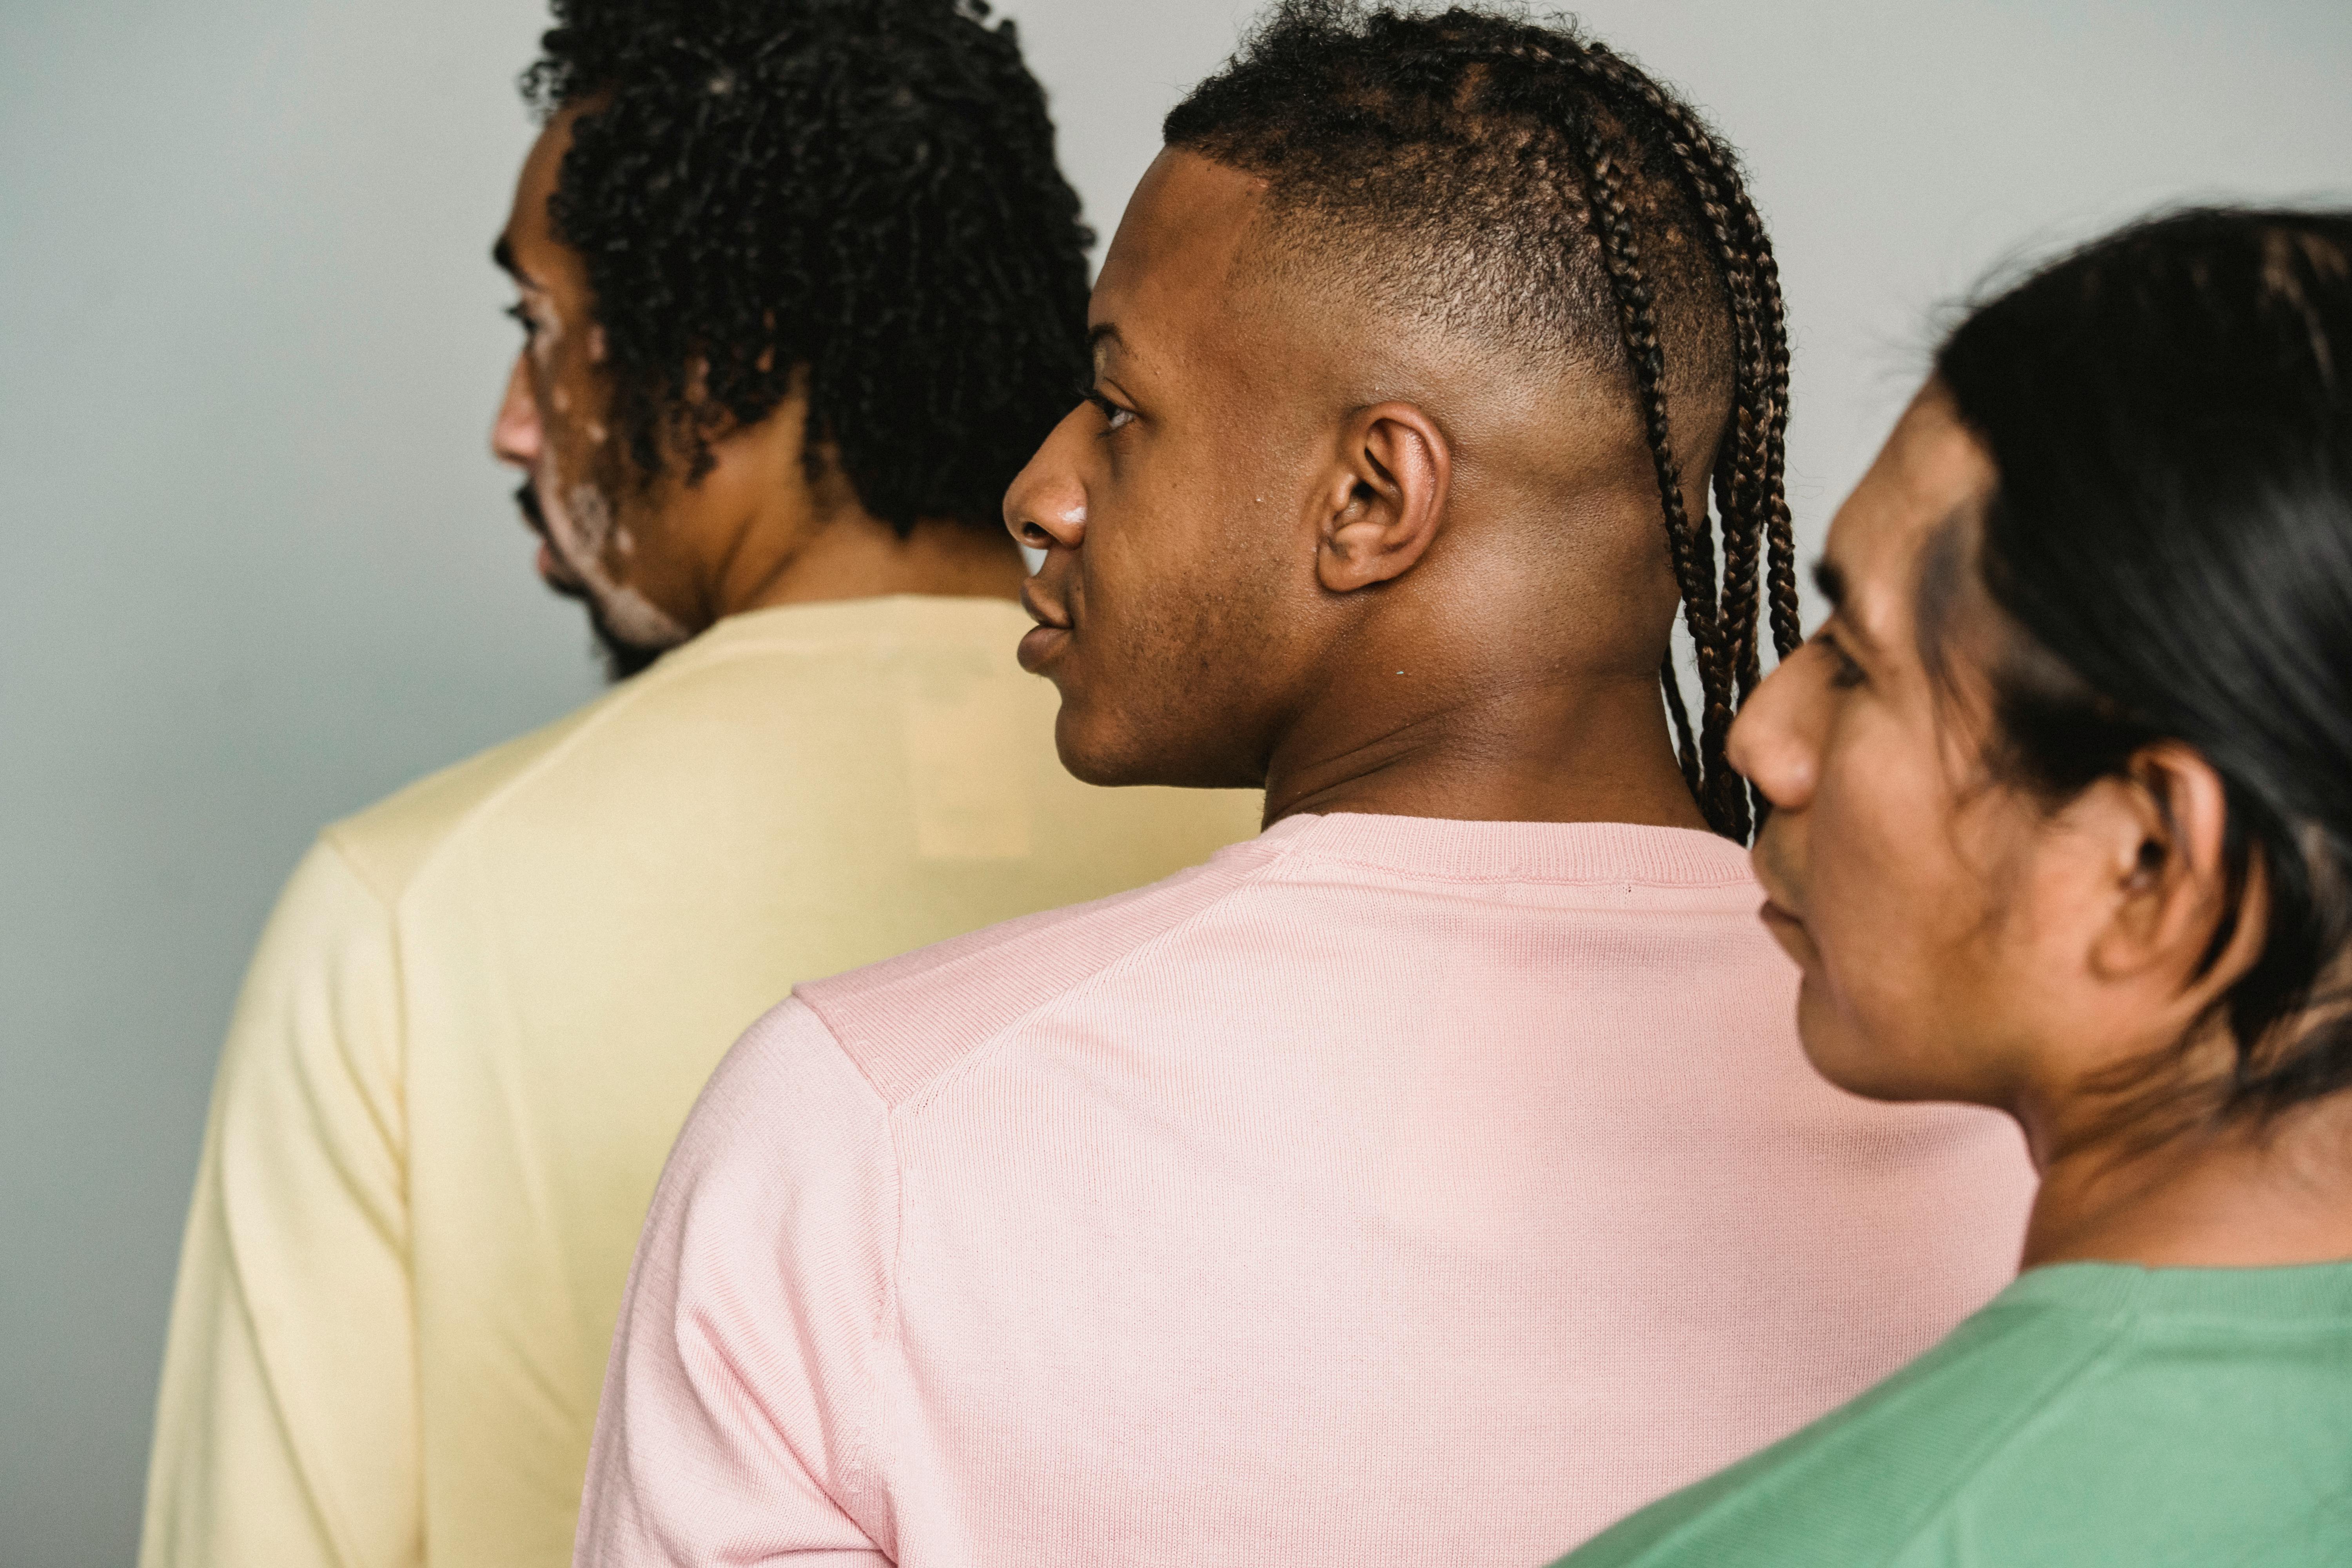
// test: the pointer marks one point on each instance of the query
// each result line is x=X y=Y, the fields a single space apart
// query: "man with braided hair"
x=1436 y=1177
x=802 y=287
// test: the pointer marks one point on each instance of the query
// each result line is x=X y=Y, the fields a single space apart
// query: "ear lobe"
x=1382 y=507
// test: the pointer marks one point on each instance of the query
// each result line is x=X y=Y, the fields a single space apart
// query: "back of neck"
x=1570 y=749
x=2239 y=1196
x=852 y=555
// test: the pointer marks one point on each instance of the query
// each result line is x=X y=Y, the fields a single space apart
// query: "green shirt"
x=2093 y=1413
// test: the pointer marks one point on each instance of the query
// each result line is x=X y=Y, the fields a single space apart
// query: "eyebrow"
x=502 y=253
x=1838 y=589
x=1101 y=337
x=1830 y=578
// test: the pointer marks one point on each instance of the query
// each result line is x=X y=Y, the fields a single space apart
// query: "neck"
x=1582 y=749
x=2233 y=1196
x=851 y=555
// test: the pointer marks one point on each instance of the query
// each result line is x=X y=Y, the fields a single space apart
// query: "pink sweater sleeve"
x=733 y=1429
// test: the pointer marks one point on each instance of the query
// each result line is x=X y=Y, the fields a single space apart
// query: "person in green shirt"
x=2061 y=823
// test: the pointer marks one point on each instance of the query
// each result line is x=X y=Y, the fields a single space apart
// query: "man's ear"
x=1386 y=495
x=2162 y=831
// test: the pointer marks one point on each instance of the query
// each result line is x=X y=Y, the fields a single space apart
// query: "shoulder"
x=385 y=843
x=908 y=1021
x=676 y=713
x=790 y=1146
x=785 y=1106
x=1864 y=1484
x=314 y=1050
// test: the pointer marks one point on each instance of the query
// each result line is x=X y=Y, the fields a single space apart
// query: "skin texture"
x=658 y=559
x=1308 y=544
x=1962 y=940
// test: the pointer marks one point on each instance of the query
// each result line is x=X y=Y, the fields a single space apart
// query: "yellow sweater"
x=481 y=1012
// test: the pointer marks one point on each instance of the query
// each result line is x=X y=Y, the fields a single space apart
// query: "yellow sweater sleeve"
x=287 y=1426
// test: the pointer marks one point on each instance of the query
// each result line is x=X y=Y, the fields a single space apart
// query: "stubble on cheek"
x=1144 y=683
x=584 y=533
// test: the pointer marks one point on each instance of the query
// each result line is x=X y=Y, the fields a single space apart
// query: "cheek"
x=1168 y=550
x=1179 y=654
x=1890 y=911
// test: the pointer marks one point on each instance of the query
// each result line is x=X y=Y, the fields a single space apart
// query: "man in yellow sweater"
x=800 y=290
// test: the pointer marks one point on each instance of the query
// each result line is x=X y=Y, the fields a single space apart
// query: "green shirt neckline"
x=2289 y=1293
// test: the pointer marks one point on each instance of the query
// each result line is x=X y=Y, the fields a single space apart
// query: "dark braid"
x=1748 y=477
x=1544 y=184
x=1750 y=483
x=1688 y=540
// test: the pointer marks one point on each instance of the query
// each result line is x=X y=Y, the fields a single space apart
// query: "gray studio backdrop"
x=257 y=567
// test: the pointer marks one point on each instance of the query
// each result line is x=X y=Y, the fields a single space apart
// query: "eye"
x=521 y=318
x=1844 y=673
x=1114 y=416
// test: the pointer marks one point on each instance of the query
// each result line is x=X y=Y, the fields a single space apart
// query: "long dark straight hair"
x=2171 y=538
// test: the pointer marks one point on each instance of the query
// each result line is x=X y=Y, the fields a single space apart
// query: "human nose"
x=1046 y=505
x=1776 y=741
x=515 y=434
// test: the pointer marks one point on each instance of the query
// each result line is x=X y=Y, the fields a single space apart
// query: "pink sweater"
x=1386 y=1191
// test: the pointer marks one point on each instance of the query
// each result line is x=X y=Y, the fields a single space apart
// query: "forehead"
x=1930 y=470
x=530 y=231
x=1169 y=271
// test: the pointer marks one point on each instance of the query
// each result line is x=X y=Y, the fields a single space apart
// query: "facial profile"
x=1889 y=880
x=1213 y=502
x=1263 y=484
x=577 y=494
x=1961 y=935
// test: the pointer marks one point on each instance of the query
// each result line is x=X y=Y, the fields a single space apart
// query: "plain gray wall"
x=257 y=567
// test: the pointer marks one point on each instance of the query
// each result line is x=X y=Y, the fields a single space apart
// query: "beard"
x=621 y=658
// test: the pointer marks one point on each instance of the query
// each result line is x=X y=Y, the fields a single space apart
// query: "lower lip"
x=1787 y=930
x=546 y=561
x=1039 y=646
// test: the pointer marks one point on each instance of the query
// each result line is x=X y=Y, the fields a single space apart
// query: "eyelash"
x=1113 y=414
x=1844 y=673
x=521 y=318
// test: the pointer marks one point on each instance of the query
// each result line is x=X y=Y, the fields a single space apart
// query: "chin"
x=1112 y=754
x=1882 y=1065
x=1089 y=754
x=1840 y=1053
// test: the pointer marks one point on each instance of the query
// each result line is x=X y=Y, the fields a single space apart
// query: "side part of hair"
x=862 y=192
x=1533 y=183
x=2172 y=540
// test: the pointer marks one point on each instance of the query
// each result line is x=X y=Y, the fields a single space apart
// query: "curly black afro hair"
x=863 y=188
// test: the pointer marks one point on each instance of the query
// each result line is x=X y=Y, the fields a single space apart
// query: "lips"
x=1789 y=930
x=1049 y=637
x=526 y=500
x=551 y=567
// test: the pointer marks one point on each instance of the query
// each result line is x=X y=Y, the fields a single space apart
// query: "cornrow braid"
x=1750 y=262
x=1688 y=541
x=1748 y=483
x=1600 y=215
x=1750 y=474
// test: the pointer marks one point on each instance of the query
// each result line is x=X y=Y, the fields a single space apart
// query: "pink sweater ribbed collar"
x=1517 y=851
